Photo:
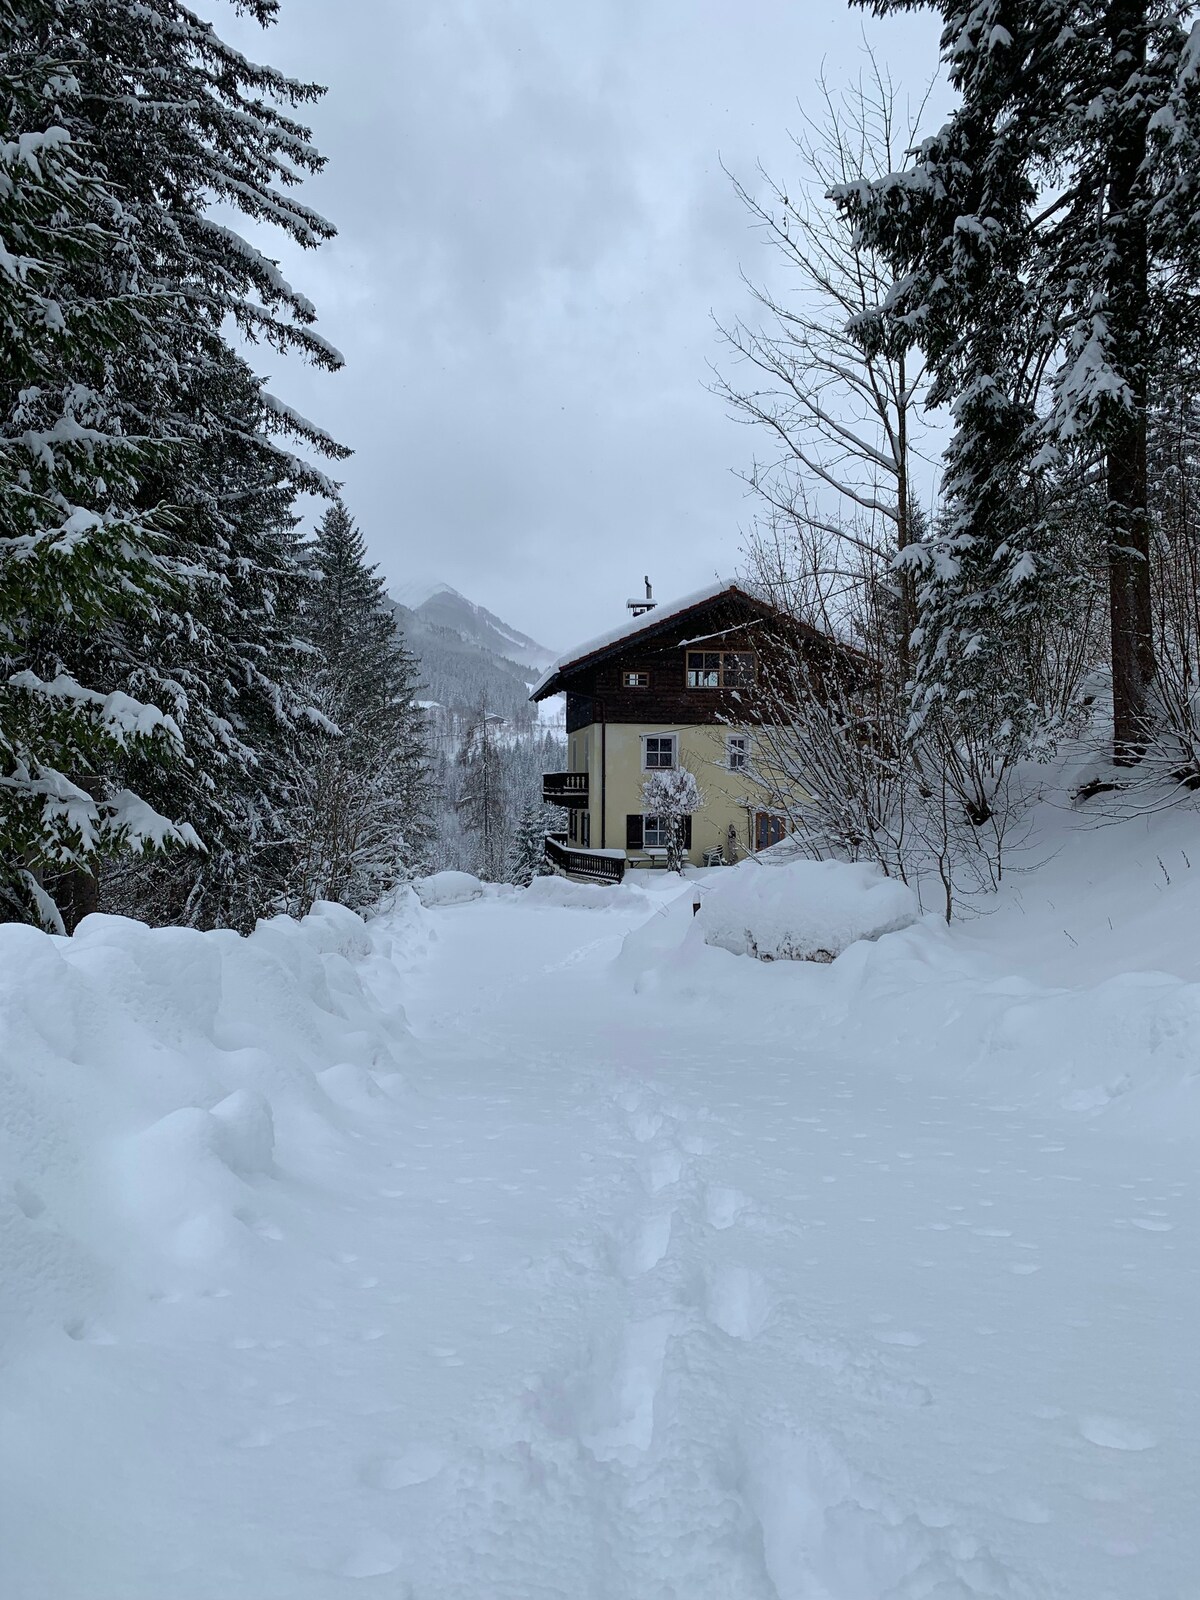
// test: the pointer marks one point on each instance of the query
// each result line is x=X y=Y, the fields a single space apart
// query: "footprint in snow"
x=662 y=1170
x=372 y=1557
x=418 y=1464
x=1111 y=1433
x=722 y=1206
x=645 y=1246
x=643 y=1125
x=898 y=1336
x=738 y=1302
x=618 y=1421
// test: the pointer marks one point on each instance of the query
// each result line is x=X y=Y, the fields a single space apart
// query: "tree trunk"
x=1130 y=605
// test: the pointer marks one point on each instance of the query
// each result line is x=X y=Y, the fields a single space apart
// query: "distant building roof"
x=664 y=613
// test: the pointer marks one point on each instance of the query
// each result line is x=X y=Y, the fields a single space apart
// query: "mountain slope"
x=444 y=607
x=468 y=655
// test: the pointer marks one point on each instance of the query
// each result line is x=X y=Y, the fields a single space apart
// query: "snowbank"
x=802 y=910
x=155 y=1082
x=565 y=893
x=448 y=889
x=1077 y=992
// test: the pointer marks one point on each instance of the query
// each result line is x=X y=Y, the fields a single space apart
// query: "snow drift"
x=154 y=1081
x=802 y=910
x=448 y=889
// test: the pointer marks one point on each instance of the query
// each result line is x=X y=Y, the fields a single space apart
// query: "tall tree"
x=841 y=408
x=79 y=550
x=364 y=813
x=183 y=124
x=1045 y=247
x=527 y=851
x=483 y=794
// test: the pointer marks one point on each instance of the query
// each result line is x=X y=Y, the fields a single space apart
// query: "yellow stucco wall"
x=729 y=797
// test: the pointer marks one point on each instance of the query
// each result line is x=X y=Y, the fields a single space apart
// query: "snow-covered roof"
x=662 y=612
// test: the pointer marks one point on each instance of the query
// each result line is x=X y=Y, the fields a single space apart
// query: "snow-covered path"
x=623 y=1299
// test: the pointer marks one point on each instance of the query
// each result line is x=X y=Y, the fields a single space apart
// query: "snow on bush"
x=448 y=889
x=156 y=1085
x=802 y=910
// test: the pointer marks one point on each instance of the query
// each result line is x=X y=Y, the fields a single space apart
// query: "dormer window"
x=635 y=680
x=721 y=669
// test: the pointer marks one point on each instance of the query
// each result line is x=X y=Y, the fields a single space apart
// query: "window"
x=650 y=833
x=737 y=752
x=704 y=669
x=658 y=751
x=768 y=830
x=635 y=680
x=721 y=669
x=654 y=833
x=579 y=827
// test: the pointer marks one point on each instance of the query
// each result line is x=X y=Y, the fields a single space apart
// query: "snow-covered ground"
x=617 y=1265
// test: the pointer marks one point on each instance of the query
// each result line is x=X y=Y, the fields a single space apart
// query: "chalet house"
x=676 y=686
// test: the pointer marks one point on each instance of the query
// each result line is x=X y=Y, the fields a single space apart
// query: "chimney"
x=640 y=607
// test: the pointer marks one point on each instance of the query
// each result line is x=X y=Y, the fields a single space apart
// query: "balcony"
x=565 y=788
x=599 y=866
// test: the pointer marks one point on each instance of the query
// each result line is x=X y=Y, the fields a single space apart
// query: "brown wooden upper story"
x=701 y=661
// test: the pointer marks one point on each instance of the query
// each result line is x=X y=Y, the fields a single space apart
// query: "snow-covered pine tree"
x=182 y=125
x=1046 y=250
x=483 y=795
x=527 y=852
x=363 y=812
x=77 y=553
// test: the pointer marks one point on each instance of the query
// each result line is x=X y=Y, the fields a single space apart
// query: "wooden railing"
x=605 y=866
x=565 y=788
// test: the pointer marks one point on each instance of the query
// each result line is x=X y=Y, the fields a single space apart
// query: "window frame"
x=737 y=743
x=767 y=823
x=636 y=678
x=660 y=830
x=659 y=826
x=719 y=674
x=671 y=739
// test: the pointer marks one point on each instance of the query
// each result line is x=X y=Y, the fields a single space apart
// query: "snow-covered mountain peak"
x=441 y=605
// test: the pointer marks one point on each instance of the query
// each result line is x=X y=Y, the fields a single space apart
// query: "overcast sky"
x=535 y=234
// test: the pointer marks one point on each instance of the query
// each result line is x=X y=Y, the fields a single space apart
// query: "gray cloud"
x=534 y=233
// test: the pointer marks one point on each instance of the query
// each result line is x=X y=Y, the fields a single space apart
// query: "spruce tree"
x=364 y=810
x=79 y=555
x=1046 y=251
x=527 y=852
x=182 y=125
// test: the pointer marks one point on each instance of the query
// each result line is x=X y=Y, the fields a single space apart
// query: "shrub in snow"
x=448 y=889
x=672 y=797
x=804 y=910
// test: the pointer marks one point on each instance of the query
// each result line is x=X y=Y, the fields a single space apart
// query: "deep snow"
x=616 y=1265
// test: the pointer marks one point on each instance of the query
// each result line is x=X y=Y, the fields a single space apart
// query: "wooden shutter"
x=633 y=831
x=687 y=832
